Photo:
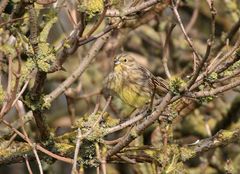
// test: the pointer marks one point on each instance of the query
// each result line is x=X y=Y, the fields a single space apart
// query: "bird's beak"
x=116 y=62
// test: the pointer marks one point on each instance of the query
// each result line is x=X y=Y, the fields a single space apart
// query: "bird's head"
x=123 y=61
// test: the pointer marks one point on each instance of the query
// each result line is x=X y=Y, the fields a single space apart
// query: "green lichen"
x=175 y=84
x=46 y=103
x=203 y=100
x=35 y=105
x=44 y=33
x=172 y=165
x=226 y=135
x=64 y=147
x=24 y=42
x=91 y=7
x=66 y=138
x=2 y=95
x=235 y=66
x=87 y=151
x=212 y=77
x=29 y=65
x=227 y=73
x=86 y=123
x=27 y=69
x=46 y=55
x=187 y=153
x=15 y=149
x=95 y=7
x=8 y=50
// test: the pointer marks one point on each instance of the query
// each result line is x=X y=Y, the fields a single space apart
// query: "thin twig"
x=78 y=143
x=103 y=165
x=98 y=155
x=213 y=92
x=229 y=36
x=135 y=118
x=13 y=90
x=199 y=67
x=45 y=2
x=127 y=11
x=184 y=31
x=12 y=21
x=212 y=67
x=166 y=51
x=105 y=31
x=71 y=108
x=131 y=161
x=194 y=16
x=233 y=74
x=21 y=92
x=28 y=165
x=11 y=140
x=216 y=65
x=37 y=158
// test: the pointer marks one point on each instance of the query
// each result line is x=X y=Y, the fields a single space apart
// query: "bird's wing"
x=108 y=86
x=161 y=86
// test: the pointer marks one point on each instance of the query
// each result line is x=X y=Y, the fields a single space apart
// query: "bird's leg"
x=152 y=99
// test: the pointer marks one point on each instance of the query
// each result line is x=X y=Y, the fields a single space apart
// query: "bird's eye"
x=125 y=60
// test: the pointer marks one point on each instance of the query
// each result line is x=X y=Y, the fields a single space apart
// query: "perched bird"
x=132 y=83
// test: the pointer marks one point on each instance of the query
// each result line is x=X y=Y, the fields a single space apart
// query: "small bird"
x=132 y=83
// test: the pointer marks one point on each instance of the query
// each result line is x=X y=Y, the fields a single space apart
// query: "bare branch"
x=78 y=72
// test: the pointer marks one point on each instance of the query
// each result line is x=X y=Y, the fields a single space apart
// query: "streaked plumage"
x=133 y=83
